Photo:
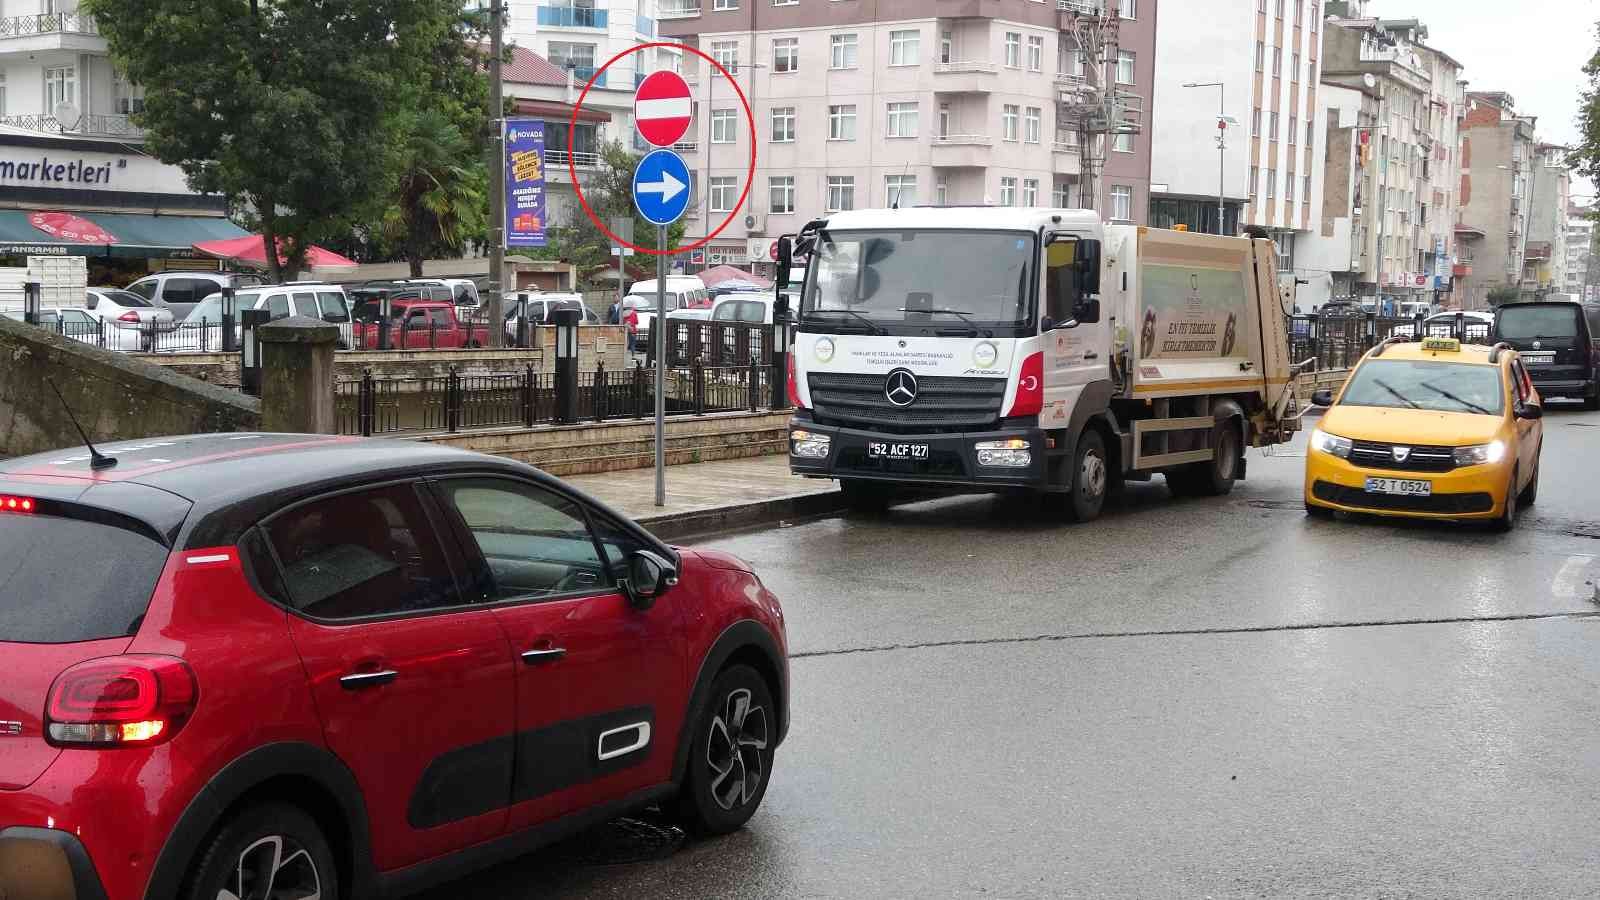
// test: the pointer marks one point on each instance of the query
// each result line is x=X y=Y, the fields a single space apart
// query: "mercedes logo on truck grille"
x=900 y=387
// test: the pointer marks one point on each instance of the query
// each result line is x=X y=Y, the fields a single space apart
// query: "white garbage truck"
x=1031 y=350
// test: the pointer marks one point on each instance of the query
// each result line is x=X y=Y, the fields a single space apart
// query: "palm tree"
x=438 y=203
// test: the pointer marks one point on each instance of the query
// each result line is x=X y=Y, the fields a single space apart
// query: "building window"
x=726 y=53
x=1035 y=53
x=1305 y=188
x=60 y=86
x=2 y=92
x=1122 y=143
x=1272 y=185
x=1261 y=56
x=1013 y=50
x=902 y=120
x=901 y=190
x=1061 y=195
x=780 y=194
x=944 y=120
x=1125 y=67
x=723 y=126
x=1294 y=131
x=724 y=5
x=1294 y=67
x=1277 y=62
x=1127 y=9
x=842 y=122
x=724 y=191
x=1311 y=134
x=783 y=124
x=1008 y=122
x=1255 y=177
x=1255 y=123
x=1008 y=191
x=786 y=54
x=905 y=47
x=1030 y=192
x=1033 y=125
x=941 y=190
x=1279 y=9
x=1272 y=126
x=846 y=51
x=1121 y=203
x=947 y=46
x=841 y=193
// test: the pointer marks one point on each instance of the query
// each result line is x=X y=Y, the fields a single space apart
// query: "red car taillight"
x=121 y=701
x=1029 y=400
x=129 y=316
x=12 y=504
x=794 y=384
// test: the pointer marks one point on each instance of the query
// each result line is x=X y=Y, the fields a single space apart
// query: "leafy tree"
x=439 y=201
x=278 y=105
x=1586 y=156
x=609 y=191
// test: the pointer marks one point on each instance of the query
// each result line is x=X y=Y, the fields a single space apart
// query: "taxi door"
x=1529 y=431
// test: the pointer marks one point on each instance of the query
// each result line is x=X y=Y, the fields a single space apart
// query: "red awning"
x=252 y=249
x=561 y=112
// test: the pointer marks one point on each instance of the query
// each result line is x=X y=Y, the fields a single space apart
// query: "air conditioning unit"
x=755 y=223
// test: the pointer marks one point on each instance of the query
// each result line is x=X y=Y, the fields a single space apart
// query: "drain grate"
x=619 y=842
x=1296 y=505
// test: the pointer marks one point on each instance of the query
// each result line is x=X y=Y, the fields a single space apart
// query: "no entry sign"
x=662 y=108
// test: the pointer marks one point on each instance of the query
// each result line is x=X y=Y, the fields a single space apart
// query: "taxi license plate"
x=1403 y=487
x=885 y=450
x=1539 y=359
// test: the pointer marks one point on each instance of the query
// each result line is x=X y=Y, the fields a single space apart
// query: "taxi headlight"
x=1330 y=443
x=1478 y=454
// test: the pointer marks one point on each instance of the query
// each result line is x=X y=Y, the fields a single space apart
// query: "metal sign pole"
x=661 y=367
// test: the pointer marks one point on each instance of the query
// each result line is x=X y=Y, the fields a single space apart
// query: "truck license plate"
x=1533 y=358
x=885 y=450
x=1401 y=486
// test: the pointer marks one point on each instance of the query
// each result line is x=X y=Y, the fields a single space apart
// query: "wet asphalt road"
x=1190 y=698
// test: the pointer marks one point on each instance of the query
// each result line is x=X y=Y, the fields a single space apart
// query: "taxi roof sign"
x=1448 y=345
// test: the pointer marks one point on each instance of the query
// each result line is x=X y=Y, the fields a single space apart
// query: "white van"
x=682 y=292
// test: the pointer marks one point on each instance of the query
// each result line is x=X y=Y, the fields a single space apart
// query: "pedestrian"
x=614 y=315
x=632 y=320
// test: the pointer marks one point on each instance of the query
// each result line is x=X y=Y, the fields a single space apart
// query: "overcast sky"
x=1532 y=49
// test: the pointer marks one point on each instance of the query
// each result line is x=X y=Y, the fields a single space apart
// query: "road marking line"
x=1568 y=583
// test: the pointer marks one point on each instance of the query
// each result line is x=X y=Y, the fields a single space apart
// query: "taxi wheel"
x=1530 y=494
x=1508 y=516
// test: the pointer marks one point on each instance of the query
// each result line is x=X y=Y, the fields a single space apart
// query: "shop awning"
x=59 y=233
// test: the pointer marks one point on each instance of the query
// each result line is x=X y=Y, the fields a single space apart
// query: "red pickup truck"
x=418 y=325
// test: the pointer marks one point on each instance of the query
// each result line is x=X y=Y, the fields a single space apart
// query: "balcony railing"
x=678 y=9
x=582 y=74
x=963 y=140
x=1064 y=147
x=573 y=17
x=47 y=23
x=966 y=67
x=558 y=159
x=97 y=125
x=1087 y=7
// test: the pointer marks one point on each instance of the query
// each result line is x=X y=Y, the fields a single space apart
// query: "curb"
x=701 y=522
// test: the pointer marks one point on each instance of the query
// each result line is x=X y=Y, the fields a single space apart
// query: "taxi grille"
x=1447 y=504
x=942 y=404
x=1380 y=455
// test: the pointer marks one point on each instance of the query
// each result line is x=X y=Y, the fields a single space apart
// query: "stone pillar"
x=297 y=375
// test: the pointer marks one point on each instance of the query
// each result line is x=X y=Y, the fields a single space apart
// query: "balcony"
x=1068 y=147
x=678 y=9
x=90 y=126
x=43 y=32
x=961 y=151
x=964 y=77
x=556 y=168
x=1461 y=270
x=582 y=74
x=572 y=17
x=1537 y=251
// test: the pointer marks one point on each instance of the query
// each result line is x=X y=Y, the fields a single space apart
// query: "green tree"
x=1586 y=156
x=609 y=192
x=439 y=199
x=281 y=106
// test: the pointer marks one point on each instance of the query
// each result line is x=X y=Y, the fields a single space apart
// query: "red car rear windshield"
x=65 y=579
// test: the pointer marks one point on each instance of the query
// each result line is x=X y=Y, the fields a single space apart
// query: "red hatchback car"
x=253 y=665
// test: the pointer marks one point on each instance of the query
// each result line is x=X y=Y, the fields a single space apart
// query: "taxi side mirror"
x=1529 y=411
x=1322 y=398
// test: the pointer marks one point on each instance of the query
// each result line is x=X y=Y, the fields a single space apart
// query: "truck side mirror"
x=1086 y=311
x=1086 y=266
x=785 y=262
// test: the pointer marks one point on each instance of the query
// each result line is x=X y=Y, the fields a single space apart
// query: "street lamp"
x=1223 y=121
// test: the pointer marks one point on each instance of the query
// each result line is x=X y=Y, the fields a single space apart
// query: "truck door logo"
x=900 y=387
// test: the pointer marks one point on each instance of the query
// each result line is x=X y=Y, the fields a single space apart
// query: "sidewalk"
x=710 y=496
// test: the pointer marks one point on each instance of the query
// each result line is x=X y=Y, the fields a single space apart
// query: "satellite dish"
x=67 y=115
x=1368 y=80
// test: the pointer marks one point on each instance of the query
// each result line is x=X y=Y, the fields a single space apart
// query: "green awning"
x=52 y=233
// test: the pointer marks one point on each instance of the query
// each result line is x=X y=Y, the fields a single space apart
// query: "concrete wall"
x=115 y=397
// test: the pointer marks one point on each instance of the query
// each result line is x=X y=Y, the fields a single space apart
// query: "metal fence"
x=713 y=343
x=1339 y=340
x=455 y=402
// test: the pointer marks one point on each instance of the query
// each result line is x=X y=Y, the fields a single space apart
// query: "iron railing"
x=95 y=124
x=47 y=23
x=713 y=343
x=1337 y=339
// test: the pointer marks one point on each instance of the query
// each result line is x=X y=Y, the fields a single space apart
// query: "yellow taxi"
x=1428 y=430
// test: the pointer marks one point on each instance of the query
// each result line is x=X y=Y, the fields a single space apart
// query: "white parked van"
x=682 y=292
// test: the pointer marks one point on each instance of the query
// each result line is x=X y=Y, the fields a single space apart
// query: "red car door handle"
x=357 y=681
x=545 y=654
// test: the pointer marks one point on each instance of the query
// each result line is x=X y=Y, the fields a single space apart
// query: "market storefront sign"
x=47 y=170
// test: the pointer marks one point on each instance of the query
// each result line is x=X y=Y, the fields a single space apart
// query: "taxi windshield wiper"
x=1401 y=397
x=1449 y=396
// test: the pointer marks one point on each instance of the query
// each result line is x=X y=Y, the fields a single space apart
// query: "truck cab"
x=1030 y=350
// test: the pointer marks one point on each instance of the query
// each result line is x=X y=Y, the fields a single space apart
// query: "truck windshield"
x=921 y=282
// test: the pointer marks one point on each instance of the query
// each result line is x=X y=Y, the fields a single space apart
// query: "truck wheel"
x=1214 y=478
x=864 y=496
x=1090 y=476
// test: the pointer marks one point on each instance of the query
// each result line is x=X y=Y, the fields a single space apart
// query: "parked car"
x=464 y=291
x=315 y=300
x=419 y=325
x=180 y=292
x=127 y=308
x=346 y=668
x=748 y=308
x=541 y=307
x=682 y=292
x=1559 y=342
x=85 y=326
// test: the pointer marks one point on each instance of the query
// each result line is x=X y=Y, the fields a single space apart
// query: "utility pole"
x=1223 y=121
x=497 y=176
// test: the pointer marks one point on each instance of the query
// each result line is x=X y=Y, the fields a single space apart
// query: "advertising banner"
x=1191 y=312
x=525 y=201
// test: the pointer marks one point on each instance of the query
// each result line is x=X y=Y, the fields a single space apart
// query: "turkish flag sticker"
x=69 y=227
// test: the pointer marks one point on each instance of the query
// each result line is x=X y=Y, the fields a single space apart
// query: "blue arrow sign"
x=661 y=187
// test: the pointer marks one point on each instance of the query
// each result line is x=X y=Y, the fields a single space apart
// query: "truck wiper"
x=872 y=327
x=972 y=331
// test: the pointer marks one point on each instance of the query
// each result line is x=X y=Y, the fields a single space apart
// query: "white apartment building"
x=53 y=62
x=852 y=111
x=1580 y=233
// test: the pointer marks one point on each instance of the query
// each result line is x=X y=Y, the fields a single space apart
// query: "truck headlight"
x=1010 y=453
x=1478 y=454
x=1330 y=443
x=806 y=445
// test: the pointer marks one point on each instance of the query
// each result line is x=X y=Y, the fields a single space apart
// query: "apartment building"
x=871 y=104
x=1580 y=237
x=1544 y=264
x=1497 y=150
